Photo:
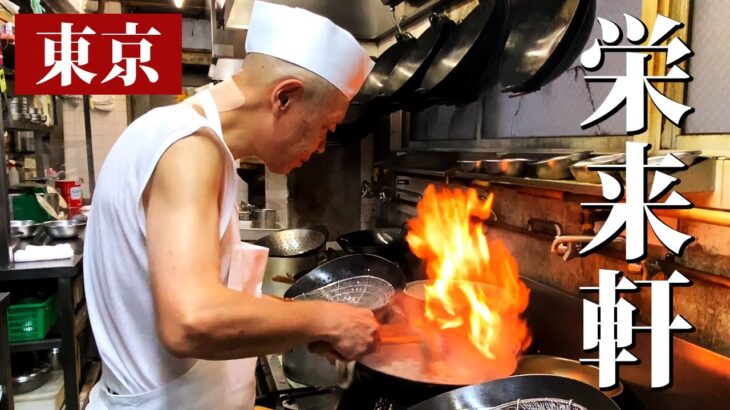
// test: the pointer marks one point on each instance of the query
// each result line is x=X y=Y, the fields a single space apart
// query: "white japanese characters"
x=637 y=209
x=66 y=55
x=67 y=51
x=609 y=326
x=131 y=63
x=632 y=87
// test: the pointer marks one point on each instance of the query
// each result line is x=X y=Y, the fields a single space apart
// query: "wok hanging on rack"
x=463 y=65
x=546 y=38
x=366 y=106
x=395 y=76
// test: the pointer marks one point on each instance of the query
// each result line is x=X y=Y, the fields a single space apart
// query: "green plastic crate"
x=31 y=321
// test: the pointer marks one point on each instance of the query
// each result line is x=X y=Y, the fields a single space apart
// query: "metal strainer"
x=292 y=242
x=547 y=403
x=364 y=291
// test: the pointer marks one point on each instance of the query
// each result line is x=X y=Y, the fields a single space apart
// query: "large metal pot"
x=281 y=272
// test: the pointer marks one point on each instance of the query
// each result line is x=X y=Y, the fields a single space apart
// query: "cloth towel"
x=33 y=253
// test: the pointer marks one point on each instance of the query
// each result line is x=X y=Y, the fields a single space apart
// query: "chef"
x=173 y=294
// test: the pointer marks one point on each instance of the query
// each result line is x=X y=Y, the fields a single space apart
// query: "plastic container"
x=13 y=175
x=70 y=191
x=31 y=320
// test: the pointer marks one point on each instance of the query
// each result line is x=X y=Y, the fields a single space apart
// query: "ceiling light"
x=179 y=3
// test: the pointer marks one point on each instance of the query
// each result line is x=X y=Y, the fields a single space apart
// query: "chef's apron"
x=208 y=384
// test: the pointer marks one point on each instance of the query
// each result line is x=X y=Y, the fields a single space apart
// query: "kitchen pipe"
x=708 y=216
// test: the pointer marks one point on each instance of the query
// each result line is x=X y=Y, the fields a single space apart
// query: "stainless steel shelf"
x=45 y=344
x=11 y=125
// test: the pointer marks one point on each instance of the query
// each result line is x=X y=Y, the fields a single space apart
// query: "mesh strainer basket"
x=292 y=242
x=547 y=403
x=364 y=291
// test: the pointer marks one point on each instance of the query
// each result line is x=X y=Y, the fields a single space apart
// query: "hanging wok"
x=410 y=69
x=463 y=65
x=504 y=394
x=545 y=39
x=373 y=86
x=365 y=108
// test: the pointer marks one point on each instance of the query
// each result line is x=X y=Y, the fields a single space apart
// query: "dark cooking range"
x=372 y=392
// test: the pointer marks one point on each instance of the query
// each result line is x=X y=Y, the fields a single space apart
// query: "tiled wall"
x=105 y=129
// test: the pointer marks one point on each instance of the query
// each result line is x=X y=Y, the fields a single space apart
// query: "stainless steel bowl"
x=26 y=229
x=687 y=157
x=558 y=167
x=32 y=380
x=470 y=165
x=510 y=167
x=582 y=173
x=62 y=229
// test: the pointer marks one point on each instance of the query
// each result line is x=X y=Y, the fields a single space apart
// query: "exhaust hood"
x=366 y=19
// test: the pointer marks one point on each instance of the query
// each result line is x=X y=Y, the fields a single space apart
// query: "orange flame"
x=474 y=282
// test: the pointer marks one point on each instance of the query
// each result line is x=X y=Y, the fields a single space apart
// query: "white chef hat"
x=309 y=41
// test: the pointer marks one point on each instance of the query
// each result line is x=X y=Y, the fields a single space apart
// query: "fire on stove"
x=474 y=287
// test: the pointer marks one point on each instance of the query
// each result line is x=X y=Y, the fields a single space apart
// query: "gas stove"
x=275 y=390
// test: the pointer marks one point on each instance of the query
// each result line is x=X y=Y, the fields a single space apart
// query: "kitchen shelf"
x=571 y=186
x=45 y=344
x=10 y=125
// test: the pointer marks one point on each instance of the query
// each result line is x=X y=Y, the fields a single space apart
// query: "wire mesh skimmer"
x=364 y=291
x=546 y=403
x=292 y=242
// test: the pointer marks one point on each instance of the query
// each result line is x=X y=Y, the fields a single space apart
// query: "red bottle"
x=70 y=190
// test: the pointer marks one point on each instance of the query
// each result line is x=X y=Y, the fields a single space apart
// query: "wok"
x=560 y=366
x=347 y=267
x=386 y=242
x=396 y=74
x=410 y=69
x=373 y=85
x=308 y=368
x=364 y=110
x=504 y=393
x=462 y=66
x=409 y=373
x=546 y=37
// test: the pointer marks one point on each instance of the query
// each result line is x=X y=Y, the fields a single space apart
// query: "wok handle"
x=345 y=373
x=346 y=244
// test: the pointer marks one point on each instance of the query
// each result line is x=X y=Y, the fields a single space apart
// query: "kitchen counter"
x=72 y=312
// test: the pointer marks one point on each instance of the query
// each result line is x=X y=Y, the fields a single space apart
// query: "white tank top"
x=116 y=278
